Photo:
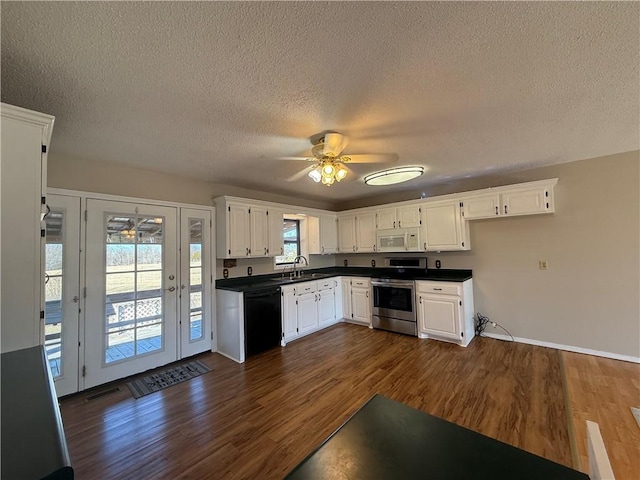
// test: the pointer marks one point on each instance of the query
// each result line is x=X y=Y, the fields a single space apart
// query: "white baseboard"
x=229 y=356
x=568 y=348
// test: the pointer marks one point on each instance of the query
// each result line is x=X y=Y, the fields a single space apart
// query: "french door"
x=62 y=291
x=132 y=289
x=195 y=281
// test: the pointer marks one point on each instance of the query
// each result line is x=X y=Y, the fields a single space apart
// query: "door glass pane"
x=195 y=279
x=134 y=286
x=53 y=314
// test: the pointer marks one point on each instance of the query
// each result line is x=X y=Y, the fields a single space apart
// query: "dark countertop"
x=386 y=439
x=245 y=284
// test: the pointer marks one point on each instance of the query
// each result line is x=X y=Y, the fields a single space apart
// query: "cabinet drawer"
x=360 y=282
x=306 y=287
x=326 y=284
x=439 y=287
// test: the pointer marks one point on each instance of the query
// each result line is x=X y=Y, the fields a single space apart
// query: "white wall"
x=590 y=296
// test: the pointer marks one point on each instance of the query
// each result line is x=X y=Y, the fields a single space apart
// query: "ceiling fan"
x=329 y=165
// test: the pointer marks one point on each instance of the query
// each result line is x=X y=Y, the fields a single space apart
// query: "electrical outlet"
x=543 y=265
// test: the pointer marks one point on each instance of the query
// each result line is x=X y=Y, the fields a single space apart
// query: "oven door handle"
x=393 y=284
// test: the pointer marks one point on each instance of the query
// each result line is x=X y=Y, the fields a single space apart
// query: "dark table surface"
x=386 y=439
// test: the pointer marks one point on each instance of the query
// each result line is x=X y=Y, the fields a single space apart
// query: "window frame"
x=285 y=241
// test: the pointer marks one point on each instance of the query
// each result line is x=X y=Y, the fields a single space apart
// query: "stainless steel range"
x=394 y=305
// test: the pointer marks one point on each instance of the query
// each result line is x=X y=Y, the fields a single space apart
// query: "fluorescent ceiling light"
x=393 y=175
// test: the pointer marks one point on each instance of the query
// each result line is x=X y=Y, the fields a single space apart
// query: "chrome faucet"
x=296 y=261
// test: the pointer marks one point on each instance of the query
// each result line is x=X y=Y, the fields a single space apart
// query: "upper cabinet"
x=25 y=141
x=404 y=216
x=357 y=232
x=444 y=227
x=522 y=199
x=328 y=234
x=246 y=230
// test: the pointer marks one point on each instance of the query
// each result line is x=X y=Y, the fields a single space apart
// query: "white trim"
x=121 y=198
x=229 y=357
x=568 y=348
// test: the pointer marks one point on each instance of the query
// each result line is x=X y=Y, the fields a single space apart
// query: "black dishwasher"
x=262 y=320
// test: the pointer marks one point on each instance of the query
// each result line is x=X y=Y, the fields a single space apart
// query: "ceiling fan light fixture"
x=328 y=180
x=315 y=175
x=392 y=176
x=328 y=169
x=341 y=172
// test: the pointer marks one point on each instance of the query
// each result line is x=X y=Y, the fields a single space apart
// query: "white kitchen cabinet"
x=308 y=307
x=326 y=305
x=289 y=314
x=405 y=216
x=346 y=297
x=481 y=206
x=527 y=201
x=307 y=313
x=328 y=234
x=259 y=231
x=523 y=199
x=247 y=230
x=365 y=232
x=25 y=142
x=360 y=300
x=445 y=311
x=337 y=285
x=347 y=233
x=444 y=227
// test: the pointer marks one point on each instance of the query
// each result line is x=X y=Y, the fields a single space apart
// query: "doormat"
x=166 y=378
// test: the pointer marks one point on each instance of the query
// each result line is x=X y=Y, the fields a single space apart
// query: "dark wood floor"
x=258 y=420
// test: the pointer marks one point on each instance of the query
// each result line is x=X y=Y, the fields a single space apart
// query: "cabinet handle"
x=247 y=250
x=319 y=296
x=425 y=245
x=505 y=209
x=367 y=293
x=394 y=224
x=437 y=289
x=322 y=249
x=265 y=250
x=354 y=248
x=374 y=248
x=399 y=226
x=420 y=300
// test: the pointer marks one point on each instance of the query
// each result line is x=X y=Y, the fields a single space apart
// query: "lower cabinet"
x=445 y=311
x=359 y=300
x=307 y=307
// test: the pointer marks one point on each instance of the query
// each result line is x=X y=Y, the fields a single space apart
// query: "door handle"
x=171 y=289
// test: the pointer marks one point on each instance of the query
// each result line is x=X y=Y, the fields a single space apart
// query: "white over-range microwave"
x=399 y=240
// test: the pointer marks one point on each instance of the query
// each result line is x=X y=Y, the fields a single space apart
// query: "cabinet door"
x=481 y=206
x=346 y=297
x=238 y=225
x=337 y=282
x=361 y=305
x=259 y=232
x=408 y=216
x=366 y=232
x=326 y=307
x=276 y=238
x=328 y=234
x=443 y=226
x=347 y=234
x=289 y=314
x=307 y=313
x=386 y=218
x=439 y=315
x=525 y=201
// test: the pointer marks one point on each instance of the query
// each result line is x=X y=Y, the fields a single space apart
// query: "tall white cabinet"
x=25 y=142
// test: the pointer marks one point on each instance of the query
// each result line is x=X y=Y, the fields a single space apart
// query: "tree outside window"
x=291 y=235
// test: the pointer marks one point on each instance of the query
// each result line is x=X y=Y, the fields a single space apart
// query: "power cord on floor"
x=482 y=321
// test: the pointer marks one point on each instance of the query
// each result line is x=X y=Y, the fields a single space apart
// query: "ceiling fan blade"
x=309 y=159
x=334 y=144
x=373 y=158
x=301 y=174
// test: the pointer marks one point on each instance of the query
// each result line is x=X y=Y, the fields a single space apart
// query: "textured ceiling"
x=219 y=91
